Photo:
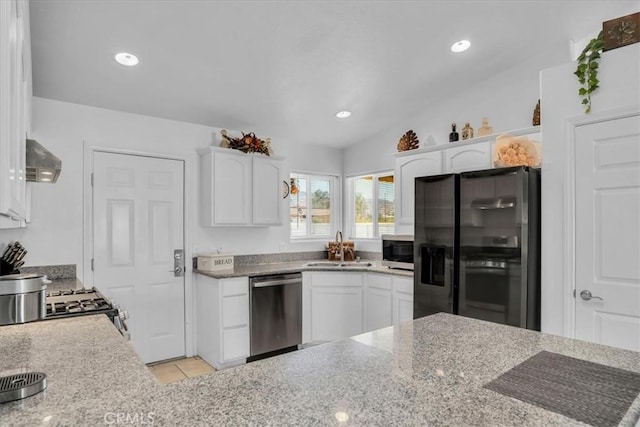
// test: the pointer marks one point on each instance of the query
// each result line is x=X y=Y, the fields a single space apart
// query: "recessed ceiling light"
x=460 y=46
x=343 y=114
x=127 y=59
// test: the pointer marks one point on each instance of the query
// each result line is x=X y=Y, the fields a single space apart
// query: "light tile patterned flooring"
x=180 y=369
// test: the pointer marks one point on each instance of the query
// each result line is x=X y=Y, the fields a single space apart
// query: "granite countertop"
x=298 y=266
x=424 y=372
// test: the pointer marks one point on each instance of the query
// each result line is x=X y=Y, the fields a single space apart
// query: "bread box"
x=215 y=262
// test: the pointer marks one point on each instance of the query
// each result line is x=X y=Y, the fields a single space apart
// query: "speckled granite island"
x=430 y=371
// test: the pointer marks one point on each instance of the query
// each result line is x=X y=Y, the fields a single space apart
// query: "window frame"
x=351 y=205
x=335 y=209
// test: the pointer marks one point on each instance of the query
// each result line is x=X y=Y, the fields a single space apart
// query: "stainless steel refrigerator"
x=477 y=245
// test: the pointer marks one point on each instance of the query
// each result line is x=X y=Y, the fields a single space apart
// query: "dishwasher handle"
x=279 y=282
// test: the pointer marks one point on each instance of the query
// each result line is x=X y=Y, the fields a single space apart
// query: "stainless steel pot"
x=22 y=298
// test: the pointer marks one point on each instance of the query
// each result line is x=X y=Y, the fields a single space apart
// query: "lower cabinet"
x=402 y=299
x=336 y=312
x=378 y=301
x=222 y=320
x=337 y=305
x=334 y=306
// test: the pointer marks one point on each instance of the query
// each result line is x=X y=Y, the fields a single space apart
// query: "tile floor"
x=180 y=369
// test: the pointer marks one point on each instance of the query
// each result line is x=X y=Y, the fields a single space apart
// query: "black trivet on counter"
x=585 y=391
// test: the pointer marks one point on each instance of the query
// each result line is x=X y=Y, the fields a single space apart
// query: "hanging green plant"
x=587 y=70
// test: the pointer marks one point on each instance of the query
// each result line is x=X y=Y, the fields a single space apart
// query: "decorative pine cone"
x=408 y=141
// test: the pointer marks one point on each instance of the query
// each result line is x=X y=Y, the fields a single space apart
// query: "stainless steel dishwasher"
x=276 y=313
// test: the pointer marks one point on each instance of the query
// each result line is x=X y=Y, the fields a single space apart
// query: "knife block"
x=6 y=268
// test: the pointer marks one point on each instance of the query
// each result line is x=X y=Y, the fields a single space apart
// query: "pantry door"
x=138 y=222
x=607 y=185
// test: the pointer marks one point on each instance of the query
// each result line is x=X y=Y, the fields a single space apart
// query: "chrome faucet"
x=340 y=247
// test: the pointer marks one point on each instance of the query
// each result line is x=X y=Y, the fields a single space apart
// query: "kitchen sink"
x=322 y=264
x=349 y=264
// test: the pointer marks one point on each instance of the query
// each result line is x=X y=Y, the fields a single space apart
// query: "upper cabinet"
x=462 y=156
x=15 y=107
x=467 y=158
x=240 y=189
x=408 y=168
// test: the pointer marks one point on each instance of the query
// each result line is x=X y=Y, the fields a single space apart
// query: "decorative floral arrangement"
x=248 y=143
x=513 y=151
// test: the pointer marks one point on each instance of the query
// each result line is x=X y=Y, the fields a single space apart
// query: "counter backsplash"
x=257 y=259
x=53 y=272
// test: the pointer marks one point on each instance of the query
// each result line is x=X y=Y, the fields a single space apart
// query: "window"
x=373 y=205
x=313 y=206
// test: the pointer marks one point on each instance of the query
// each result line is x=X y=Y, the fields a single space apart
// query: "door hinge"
x=92 y=179
x=92 y=264
x=574 y=293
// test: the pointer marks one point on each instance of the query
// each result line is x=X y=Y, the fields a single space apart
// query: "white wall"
x=507 y=99
x=55 y=235
x=619 y=90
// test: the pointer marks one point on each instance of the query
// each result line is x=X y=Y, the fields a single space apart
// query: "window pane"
x=298 y=208
x=363 y=189
x=320 y=207
x=386 y=207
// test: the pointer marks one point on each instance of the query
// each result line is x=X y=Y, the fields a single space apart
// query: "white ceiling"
x=284 y=68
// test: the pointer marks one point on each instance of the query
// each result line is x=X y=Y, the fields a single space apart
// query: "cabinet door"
x=402 y=307
x=407 y=170
x=336 y=313
x=235 y=343
x=268 y=175
x=231 y=188
x=379 y=308
x=467 y=158
x=13 y=93
x=402 y=299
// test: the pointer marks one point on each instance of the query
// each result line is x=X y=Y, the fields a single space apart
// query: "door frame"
x=188 y=212
x=571 y=125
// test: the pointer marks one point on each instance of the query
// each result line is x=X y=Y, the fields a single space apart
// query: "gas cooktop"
x=73 y=302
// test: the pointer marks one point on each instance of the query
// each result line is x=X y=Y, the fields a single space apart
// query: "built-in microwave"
x=397 y=251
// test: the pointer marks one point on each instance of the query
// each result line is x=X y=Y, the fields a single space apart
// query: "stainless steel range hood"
x=42 y=164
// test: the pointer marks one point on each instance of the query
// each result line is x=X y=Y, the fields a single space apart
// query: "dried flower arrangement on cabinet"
x=248 y=143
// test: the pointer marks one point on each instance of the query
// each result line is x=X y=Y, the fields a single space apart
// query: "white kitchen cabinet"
x=268 y=175
x=240 y=189
x=402 y=299
x=334 y=305
x=222 y=320
x=468 y=158
x=338 y=305
x=408 y=168
x=15 y=105
x=378 y=306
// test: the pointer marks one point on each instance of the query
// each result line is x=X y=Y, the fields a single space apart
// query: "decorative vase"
x=467 y=131
x=453 y=136
x=485 y=129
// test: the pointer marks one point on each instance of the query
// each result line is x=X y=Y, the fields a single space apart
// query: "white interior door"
x=138 y=210
x=608 y=232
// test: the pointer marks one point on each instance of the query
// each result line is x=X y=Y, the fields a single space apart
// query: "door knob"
x=176 y=271
x=586 y=295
